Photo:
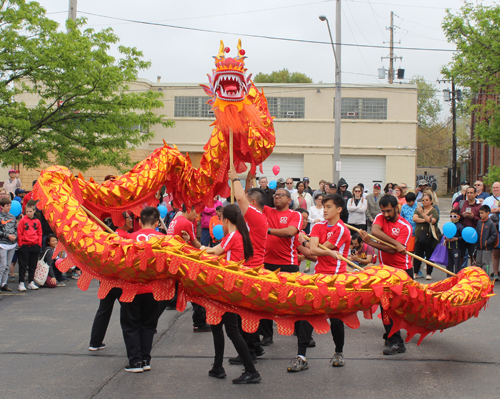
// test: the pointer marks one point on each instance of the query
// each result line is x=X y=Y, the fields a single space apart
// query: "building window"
x=364 y=108
x=287 y=107
x=192 y=107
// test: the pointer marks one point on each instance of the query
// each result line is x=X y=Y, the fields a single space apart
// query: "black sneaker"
x=237 y=359
x=266 y=341
x=297 y=364
x=6 y=288
x=217 y=373
x=260 y=352
x=247 y=378
x=146 y=365
x=205 y=328
x=134 y=368
x=394 y=349
x=312 y=343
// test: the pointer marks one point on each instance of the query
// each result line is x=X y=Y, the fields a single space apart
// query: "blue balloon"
x=218 y=232
x=449 y=230
x=15 y=208
x=469 y=234
x=163 y=211
x=272 y=184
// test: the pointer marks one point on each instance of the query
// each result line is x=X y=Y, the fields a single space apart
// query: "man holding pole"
x=335 y=237
x=391 y=228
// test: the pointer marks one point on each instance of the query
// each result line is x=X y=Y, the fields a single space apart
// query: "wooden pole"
x=231 y=161
x=99 y=221
x=408 y=253
x=352 y=264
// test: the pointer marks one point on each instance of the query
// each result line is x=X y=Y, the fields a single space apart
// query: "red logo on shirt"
x=329 y=234
x=284 y=220
x=395 y=231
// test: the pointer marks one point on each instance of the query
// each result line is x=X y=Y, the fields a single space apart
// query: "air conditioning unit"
x=352 y=114
x=211 y=112
x=290 y=113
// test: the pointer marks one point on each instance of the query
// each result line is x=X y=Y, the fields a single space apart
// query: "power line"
x=402 y=5
x=262 y=36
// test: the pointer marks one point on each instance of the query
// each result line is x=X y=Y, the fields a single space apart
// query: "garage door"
x=363 y=169
x=290 y=166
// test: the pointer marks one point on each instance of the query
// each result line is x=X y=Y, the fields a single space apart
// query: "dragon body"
x=214 y=282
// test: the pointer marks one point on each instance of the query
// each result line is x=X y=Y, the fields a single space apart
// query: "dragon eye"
x=227 y=49
x=242 y=52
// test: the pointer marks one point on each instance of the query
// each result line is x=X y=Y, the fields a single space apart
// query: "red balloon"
x=58 y=262
x=276 y=170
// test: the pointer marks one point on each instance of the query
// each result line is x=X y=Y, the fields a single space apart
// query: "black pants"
x=102 y=317
x=199 y=315
x=396 y=337
x=138 y=320
x=266 y=326
x=424 y=251
x=230 y=321
x=304 y=334
x=28 y=259
x=454 y=258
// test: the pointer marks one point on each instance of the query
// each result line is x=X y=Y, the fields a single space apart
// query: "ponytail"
x=234 y=215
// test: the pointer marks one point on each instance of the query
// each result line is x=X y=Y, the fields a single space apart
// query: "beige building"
x=379 y=127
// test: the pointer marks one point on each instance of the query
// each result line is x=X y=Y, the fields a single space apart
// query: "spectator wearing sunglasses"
x=455 y=245
x=480 y=194
x=356 y=207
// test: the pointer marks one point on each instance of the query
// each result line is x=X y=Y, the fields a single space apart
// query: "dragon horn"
x=221 y=50
x=239 y=46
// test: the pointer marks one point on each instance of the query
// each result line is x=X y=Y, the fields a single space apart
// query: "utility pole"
x=391 y=56
x=454 y=179
x=453 y=96
x=338 y=95
x=338 y=89
x=72 y=9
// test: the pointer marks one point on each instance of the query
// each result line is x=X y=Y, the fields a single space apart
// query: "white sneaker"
x=32 y=286
x=428 y=277
x=21 y=287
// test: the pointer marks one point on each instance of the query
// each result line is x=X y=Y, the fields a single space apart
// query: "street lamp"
x=338 y=91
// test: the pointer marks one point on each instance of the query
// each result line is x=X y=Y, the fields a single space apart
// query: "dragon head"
x=228 y=81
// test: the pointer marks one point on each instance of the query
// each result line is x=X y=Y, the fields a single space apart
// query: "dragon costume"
x=211 y=281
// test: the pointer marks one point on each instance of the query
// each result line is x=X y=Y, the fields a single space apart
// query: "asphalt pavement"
x=44 y=354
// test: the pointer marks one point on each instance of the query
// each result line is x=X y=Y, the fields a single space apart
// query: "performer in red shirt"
x=333 y=234
x=281 y=253
x=237 y=246
x=182 y=226
x=388 y=226
x=139 y=318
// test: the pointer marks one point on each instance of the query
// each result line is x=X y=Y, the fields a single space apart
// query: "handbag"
x=42 y=271
x=440 y=254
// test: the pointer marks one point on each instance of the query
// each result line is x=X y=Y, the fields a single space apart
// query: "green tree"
x=283 y=76
x=63 y=95
x=428 y=105
x=475 y=30
x=433 y=136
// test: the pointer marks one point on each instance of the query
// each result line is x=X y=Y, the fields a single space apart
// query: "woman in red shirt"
x=237 y=246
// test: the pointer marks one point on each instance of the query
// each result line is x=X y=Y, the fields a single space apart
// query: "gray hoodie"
x=8 y=226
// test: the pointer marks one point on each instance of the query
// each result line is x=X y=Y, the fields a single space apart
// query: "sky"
x=185 y=55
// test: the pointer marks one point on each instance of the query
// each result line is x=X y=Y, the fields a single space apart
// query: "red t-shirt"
x=144 y=235
x=400 y=231
x=339 y=236
x=280 y=250
x=257 y=227
x=179 y=224
x=232 y=244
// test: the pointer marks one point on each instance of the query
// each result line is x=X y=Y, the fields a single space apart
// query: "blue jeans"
x=205 y=237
